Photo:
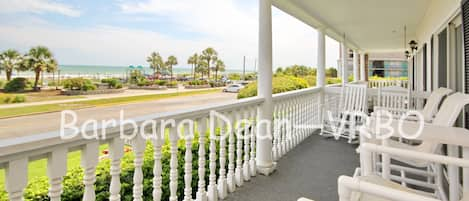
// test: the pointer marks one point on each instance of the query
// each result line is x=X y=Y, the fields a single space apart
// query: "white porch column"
x=356 y=73
x=344 y=63
x=321 y=70
x=362 y=67
x=264 y=162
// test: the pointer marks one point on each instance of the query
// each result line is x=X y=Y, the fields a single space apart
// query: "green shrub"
x=18 y=84
x=2 y=84
x=144 y=82
x=197 y=82
x=73 y=187
x=161 y=82
x=333 y=80
x=12 y=98
x=172 y=84
x=79 y=84
x=280 y=84
x=113 y=83
x=234 y=76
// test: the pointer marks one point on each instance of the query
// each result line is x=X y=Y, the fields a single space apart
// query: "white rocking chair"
x=396 y=100
x=370 y=187
x=446 y=116
x=343 y=122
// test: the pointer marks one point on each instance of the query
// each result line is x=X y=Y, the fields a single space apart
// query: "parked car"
x=233 y=88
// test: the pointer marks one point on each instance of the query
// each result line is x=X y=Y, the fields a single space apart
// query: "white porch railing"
x=235 y=156
x=297 y=115
x=388 y=83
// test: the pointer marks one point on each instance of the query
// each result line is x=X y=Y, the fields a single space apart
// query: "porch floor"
x=310 y=170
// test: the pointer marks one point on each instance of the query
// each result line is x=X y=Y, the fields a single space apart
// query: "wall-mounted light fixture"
x=413 y=45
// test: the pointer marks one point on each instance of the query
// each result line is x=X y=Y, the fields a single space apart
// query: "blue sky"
x=124 y=32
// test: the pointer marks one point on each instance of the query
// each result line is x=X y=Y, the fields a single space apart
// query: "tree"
x=219 y=66
x=193 y=60
x=10 y=60
x=331 y=72
x=156 y=63
x=172 y=60
x=202 y=68
x=210 y=56
x=38 y=60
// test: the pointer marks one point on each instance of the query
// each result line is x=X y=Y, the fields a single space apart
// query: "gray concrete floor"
x=310 y=170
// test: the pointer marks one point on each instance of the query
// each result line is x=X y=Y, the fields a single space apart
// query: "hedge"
x=112 y=82
x=280 y=84
x=18 y=84
x=73 y=186
x=79 y=84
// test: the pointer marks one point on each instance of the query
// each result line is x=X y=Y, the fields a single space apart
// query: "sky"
x=125 y=32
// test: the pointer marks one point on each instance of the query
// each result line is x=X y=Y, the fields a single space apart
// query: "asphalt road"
x=41 y=123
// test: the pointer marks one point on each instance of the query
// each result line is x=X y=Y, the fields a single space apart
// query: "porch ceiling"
x=369 y=25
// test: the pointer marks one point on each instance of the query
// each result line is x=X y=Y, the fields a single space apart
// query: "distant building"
x=382 y=64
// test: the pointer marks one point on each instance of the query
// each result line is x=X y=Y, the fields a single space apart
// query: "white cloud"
x=228 y=27
x=37 y=6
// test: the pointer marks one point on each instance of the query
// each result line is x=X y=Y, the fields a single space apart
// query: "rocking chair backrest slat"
x=353 y=98
x=393 y=97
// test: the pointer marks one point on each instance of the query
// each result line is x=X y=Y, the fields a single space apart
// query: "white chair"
x=396 y=100
x=446 y=116
x=345 y=120
x=370 y=187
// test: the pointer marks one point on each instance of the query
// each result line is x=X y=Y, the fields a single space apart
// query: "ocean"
x=108 y=71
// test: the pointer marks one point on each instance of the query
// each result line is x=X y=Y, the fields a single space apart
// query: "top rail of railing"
x=45 y=142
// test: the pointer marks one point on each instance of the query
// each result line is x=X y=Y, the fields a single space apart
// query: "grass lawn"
x=45 y=95
x=20 y=111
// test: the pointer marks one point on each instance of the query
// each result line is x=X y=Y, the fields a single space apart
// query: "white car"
x=234 y=88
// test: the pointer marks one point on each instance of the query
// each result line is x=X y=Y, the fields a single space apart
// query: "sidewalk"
x=127 y=93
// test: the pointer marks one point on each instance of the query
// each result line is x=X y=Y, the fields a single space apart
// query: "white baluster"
x=291 y=131
x=283 y=131
x=239 y=149
x=275 y=140
x=157 y=166
x=231 y=154
x=222 y=183
x=212 y=191
x=247 y=139
x=16 y=178
x=56 y=170
x=89 y=161
x=138 y=146
x=202 y=128
x=188 y=137
x=116 y=147
x=173 y=165
x=252 y=161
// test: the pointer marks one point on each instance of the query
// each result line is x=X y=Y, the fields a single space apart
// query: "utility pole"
x=244 y=68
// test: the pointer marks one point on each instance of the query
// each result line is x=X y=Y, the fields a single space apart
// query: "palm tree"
x=172 y=60
x=219 y=67
x=156 y=63
x=202 y=67
x=38 y=60
x=10 y=60
x=193 y=60
x=209 y=55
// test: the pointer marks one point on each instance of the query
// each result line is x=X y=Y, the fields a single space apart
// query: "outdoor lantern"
x=413 y=45
x=407 y=54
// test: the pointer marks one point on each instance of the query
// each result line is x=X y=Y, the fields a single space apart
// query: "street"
x=41 y=123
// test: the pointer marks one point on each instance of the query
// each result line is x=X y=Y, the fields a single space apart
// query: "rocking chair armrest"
x=412 y=154
x=348 y=186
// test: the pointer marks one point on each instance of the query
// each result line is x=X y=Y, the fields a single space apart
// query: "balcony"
x=238 y=155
